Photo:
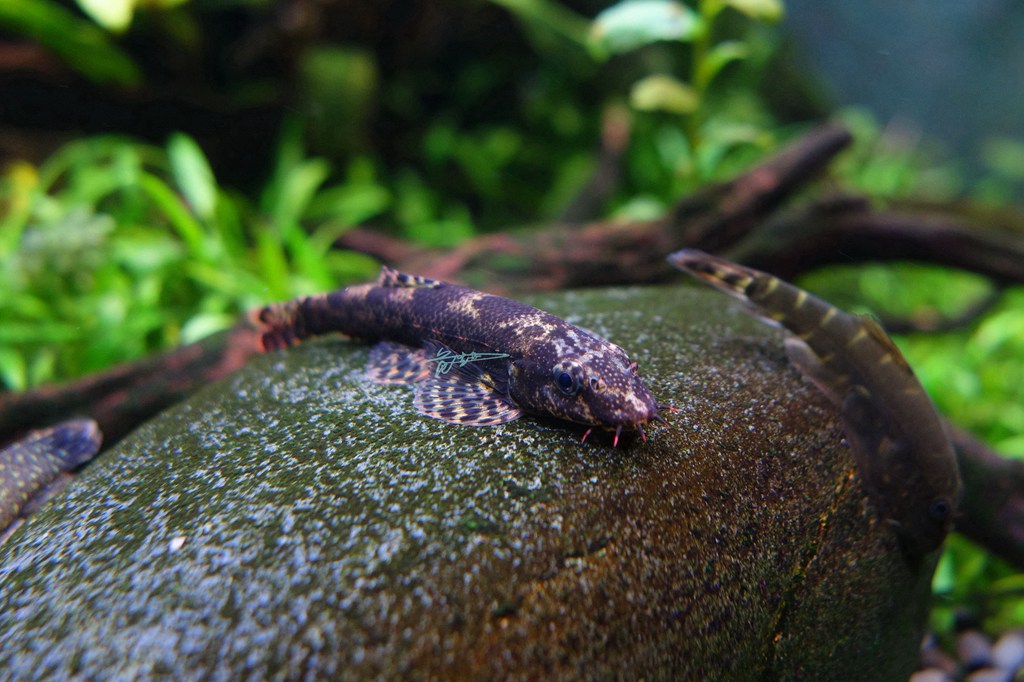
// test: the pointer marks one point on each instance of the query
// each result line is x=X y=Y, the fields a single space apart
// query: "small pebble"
x=932 y=656
x=974 y=650
x=931 y=675
x=990 y=675
x=1008 y=651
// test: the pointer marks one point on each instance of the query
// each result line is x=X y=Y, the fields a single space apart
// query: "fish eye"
x=566 y=379
x=939 y=510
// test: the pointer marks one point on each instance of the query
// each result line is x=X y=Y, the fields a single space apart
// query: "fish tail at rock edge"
x=279 y=325
x=75 y=441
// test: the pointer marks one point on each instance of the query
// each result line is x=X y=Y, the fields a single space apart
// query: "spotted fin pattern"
x=463 y=395
x=396 y=363
x=461 y=398
x=30 y=467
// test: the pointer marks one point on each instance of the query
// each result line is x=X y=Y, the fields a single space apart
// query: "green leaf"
x=193 y=174
x=641 y=207
x=759 y=10
x=944 y=578
x=43 y=366
x=553 y=16
x=350 y=203
x=82 y=45
x=38 y=332
x=350 y=266
x=13 y=374
x=113 y=15
x=298 y=190
x=295 y=181
x=721 y=137
x=443 y=232
x=718 y=57
x=190 y=231
x=273 y=264
x=1004 y=156
x=664 y=93
x=205 y=324
x=1011 y=447
x=635 y=23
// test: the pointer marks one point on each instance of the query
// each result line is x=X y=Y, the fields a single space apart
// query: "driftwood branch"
x=846 y=229
x=741 y=220
x=121 y=398
x=992 y=511
x=566 y=255
x=723 y=214
x=936 y=323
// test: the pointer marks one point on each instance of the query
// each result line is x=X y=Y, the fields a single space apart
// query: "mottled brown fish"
x=474 y=358
x=35 y=467
x=902 y=452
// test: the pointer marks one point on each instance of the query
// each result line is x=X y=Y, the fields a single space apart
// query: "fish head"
x=911 y=475
x=923 y=508
x=596 y=386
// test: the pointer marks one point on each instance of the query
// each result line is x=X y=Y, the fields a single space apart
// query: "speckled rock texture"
x=298 y=522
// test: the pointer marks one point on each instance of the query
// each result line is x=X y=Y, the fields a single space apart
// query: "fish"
x=901 y=450
x=34 y=468
x=473 y=358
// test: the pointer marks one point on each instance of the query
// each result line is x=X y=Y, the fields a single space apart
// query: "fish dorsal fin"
x=389 y=277
x=878 y=334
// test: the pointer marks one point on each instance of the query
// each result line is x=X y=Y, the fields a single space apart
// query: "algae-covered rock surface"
x=298 y=522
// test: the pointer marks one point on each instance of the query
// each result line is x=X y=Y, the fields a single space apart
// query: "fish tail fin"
x=71 y=443
x=279 y=325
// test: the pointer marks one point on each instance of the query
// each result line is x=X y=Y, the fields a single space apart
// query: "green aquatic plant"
x=687 y=124
x=111 y=249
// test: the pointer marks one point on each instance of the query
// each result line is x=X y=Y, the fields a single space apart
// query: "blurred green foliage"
x=688 y=132
x=112 y=248
x=73 y=38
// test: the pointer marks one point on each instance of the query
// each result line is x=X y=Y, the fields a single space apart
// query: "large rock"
x=298 y=522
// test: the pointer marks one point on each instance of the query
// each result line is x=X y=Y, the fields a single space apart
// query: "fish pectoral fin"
x=860 y=411
x=828 y=381
x=881 y=444
x=459 y=398
x=395 y=363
